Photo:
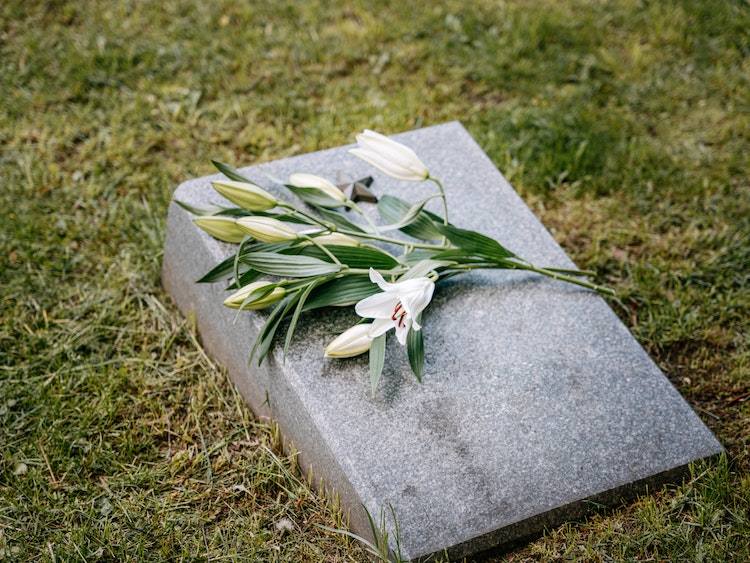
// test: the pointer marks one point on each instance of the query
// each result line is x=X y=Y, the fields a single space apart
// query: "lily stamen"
x=395 y=311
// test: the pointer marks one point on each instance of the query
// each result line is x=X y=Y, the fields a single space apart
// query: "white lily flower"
x=301 y=180
x=266 y=229
x=393 y=158
x=246 y=195
x=220 y=227
x=352 y=342
x=398 y=306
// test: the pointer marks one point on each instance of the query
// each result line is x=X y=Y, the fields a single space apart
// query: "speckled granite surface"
x=536 y=398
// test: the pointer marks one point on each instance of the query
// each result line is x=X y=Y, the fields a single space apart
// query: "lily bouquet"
x=295 y=260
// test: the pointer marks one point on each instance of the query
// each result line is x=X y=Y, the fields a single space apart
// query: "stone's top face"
x=535 y=395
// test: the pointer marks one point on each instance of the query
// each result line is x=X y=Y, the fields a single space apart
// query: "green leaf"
x=355 y=256
x=286 y=217
x=315 y=197
x=230 y=172
x=289 y=265
x=339 y=220
x=295 y=317
x=474 y=242
x=342 y=292
x=233 y=212
x=236 y=269
x=411 y=215
x=200 y=211
x=246 y=278
x=377 y=360
x=415 y=351
x=393 y=209
x=265 y=338
x=219 y=272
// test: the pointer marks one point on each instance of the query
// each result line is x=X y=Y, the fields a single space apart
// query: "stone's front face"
x=536 y=398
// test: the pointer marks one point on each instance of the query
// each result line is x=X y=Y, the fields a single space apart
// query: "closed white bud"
x=300 y=180
x=337 y=239
x=350 y=343
x=245 y=195
x=222 y=228
x=266 y=229
x=237 y=298
x=392 y=158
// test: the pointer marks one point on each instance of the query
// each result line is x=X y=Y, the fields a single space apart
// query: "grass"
x=624 y=124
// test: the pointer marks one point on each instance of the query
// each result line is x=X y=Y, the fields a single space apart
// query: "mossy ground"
x=624 y=124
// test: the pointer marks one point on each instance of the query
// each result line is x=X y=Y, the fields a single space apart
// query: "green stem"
x=366 y=271
x=587 y=273
x=307 y=216
x=543 y=271
x=394 y=240
x=322 y=247
x=570 y=279
x=439 y=184
x=358 y=209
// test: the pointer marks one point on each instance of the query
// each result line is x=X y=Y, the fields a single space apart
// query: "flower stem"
x=306 y=216
x=439 y=184
x=394 y=240
x=549 y=272
x=570 y=279
x=358 y=209
x=323 y=248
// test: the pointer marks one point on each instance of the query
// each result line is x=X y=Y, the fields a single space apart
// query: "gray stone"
x=536 y=399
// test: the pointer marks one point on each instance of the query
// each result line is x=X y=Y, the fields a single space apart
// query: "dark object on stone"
x=359 y=190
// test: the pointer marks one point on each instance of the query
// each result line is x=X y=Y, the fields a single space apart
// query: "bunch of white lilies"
x=296 y=259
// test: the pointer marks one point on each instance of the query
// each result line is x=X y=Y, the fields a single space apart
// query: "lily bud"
x=337 y=239
x=300 y=180
x=266 y=229
x=390 y=157
x=237 y=298
x=222 y=228
x=350 y=343
x=245 y=195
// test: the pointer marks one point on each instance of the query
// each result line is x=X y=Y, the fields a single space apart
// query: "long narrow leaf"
x=415 y=351
x=339 y=220
x=377 y=360
x=393 y=209
x=200 y=211
x=408 y=218
x=341 y=292
x=295 y=317
x=230 y=172
x=219 y=272
x=265 y=338
x=475 y=242
x=315 y=197
x=289 y=265
x=355 y=256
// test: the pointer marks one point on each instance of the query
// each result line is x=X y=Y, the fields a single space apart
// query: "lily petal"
x=402 y=331
x=377 y=278
x=378 y=306
x=381 y=326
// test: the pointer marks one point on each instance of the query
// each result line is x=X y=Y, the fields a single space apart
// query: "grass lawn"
x=624 y=124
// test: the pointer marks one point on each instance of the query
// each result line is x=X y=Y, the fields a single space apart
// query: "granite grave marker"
x=536 y=398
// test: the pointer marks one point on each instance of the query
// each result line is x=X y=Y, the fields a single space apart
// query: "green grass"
x=624 y=124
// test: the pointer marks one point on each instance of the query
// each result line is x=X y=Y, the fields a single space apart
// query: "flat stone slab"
x=536 y=398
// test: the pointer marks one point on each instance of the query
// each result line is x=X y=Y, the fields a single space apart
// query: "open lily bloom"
x=398 y=306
